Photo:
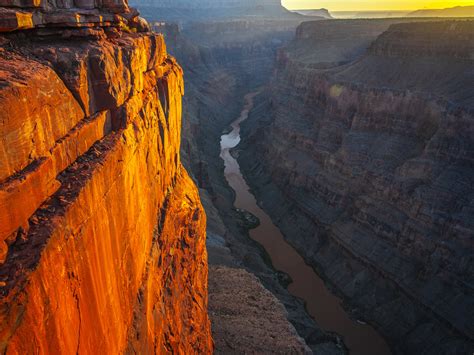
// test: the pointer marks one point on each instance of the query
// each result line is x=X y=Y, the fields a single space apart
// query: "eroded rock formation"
x=102 y=232
x=365 y=161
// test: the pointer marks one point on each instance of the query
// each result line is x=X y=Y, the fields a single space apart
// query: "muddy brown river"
x=322 y=305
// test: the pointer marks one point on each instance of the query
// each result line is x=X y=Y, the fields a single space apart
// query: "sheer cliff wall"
x=102 y=232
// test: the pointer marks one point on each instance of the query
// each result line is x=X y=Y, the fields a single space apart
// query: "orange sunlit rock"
x=102 y=233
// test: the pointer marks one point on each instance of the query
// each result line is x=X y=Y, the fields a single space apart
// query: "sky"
x=364 y=5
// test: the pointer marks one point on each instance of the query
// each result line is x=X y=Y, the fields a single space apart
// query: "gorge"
x=280 y=151
x=321 y=304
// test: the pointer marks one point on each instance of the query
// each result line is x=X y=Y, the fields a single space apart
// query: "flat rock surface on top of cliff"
x=246 y=317
x=21 y=15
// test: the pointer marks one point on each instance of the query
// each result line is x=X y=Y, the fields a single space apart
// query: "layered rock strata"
x=80 y=14
x=367 y=168
x=102 y=231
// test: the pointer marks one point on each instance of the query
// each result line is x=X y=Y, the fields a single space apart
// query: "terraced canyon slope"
x=362 y=152
x=102 y=232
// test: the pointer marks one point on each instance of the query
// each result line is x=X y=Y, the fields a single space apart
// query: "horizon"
x=368 y=5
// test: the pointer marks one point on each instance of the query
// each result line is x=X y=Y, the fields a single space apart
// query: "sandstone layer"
x=83 y=15
x=365 y=162
x=102 y=231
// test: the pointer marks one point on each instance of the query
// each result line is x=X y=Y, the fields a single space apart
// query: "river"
x=321 y=304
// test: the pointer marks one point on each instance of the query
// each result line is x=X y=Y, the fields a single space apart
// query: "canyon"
x=102 y=231
x=219 y=69
x=288 y=184
x=361 y=224
x=365 y=164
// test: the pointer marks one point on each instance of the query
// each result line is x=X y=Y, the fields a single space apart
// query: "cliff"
x=366 y=165
x=102 y=231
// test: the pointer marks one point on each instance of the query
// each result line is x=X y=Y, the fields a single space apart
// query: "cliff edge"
x=102 y=232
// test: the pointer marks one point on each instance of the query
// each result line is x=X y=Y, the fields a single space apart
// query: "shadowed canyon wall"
x=364 y=159
x=102 y=231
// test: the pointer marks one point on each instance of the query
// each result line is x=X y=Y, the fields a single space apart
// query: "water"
x=322 y=305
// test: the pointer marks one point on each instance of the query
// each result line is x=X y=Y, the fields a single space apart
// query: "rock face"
x=18 y=14
x=367 y=167
x=102 y=231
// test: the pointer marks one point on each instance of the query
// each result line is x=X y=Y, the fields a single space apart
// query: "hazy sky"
x=341 y=5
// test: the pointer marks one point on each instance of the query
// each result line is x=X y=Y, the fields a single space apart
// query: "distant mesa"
x=369 y=14
x=315 y=13
x=196 y=10
x=207 y=4
x=458 y=11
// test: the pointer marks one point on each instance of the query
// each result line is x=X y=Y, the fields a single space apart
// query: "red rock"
x=106 y=231
x=21 y=3
x=11 y=20
x=23 y=14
